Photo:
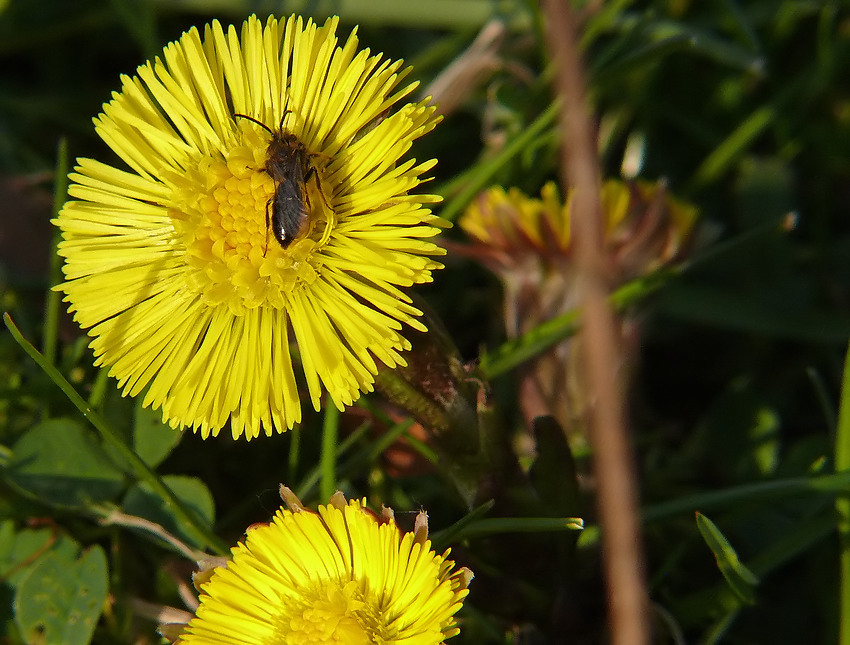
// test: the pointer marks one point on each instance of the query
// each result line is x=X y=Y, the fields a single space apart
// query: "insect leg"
x=268 y=224
x=312 y=172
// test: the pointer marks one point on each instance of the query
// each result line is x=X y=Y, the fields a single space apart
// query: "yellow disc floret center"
x=222 y=209
x=333 y=612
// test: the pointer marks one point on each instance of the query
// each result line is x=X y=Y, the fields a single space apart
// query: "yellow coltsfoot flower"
x=340 y=575
x=527 y=242
x=197 y=269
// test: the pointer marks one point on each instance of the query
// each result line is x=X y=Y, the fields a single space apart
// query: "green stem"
x=842 y=504
x=834 y=483
x=731 y=148
x=484 y=172
x=330 y=432
x=294 y=453
x=449 y=401
x=355 y=462
x=51 y=308
x=534 y=342
x=518 y=350
x=401 y=392
x=140 y=469
x=502 y=525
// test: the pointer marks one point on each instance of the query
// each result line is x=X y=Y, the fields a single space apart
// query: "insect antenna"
x=259 y=123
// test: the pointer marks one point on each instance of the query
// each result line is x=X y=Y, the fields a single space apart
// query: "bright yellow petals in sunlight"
x=175 y=266
x=342 y=575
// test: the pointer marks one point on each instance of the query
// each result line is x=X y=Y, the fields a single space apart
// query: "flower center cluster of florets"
x=332 y=612
x=221 y=211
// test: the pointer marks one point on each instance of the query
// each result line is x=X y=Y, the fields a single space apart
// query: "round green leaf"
x=59 y=462
x=62 y=598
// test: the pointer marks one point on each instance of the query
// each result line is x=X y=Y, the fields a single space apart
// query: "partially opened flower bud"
x=527 y=243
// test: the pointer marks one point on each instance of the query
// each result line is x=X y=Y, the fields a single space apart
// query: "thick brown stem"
x=617 y=497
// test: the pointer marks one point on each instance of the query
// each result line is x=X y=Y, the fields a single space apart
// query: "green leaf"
x=720 y=600
x=774 y=489
x=21 y=550
x=704 y=43
x=728 y=151
x=764 y=192
x=842 y=504
x=640 y=57
x=62 y=597
x=743 y=312
x=111 y=436
x=537 y=340
x=553 y=473
x=502 y=525
x=192 y=492
x=482 y=174
x=20 y=553
x=60 y=463
x=153 y=440
x=740 y=578
x=764 y=438
x=452 y=535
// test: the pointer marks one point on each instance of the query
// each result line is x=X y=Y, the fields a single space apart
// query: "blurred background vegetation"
x=742 y=107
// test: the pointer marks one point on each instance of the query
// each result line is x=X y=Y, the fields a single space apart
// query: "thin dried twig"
x=467 y=72
x=123 y=519
x=613 y=462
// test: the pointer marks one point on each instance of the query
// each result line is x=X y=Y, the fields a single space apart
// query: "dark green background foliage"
x=744 y=107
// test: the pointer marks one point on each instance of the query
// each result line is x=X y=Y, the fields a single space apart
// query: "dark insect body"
x=288 y=164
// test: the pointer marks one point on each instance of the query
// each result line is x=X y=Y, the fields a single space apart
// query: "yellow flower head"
x=266 y=202
x=342 y=575
x=527 y=242
x=645 y=226
x=510 y=222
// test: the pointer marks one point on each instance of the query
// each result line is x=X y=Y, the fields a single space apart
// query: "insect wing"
x=289 y=213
